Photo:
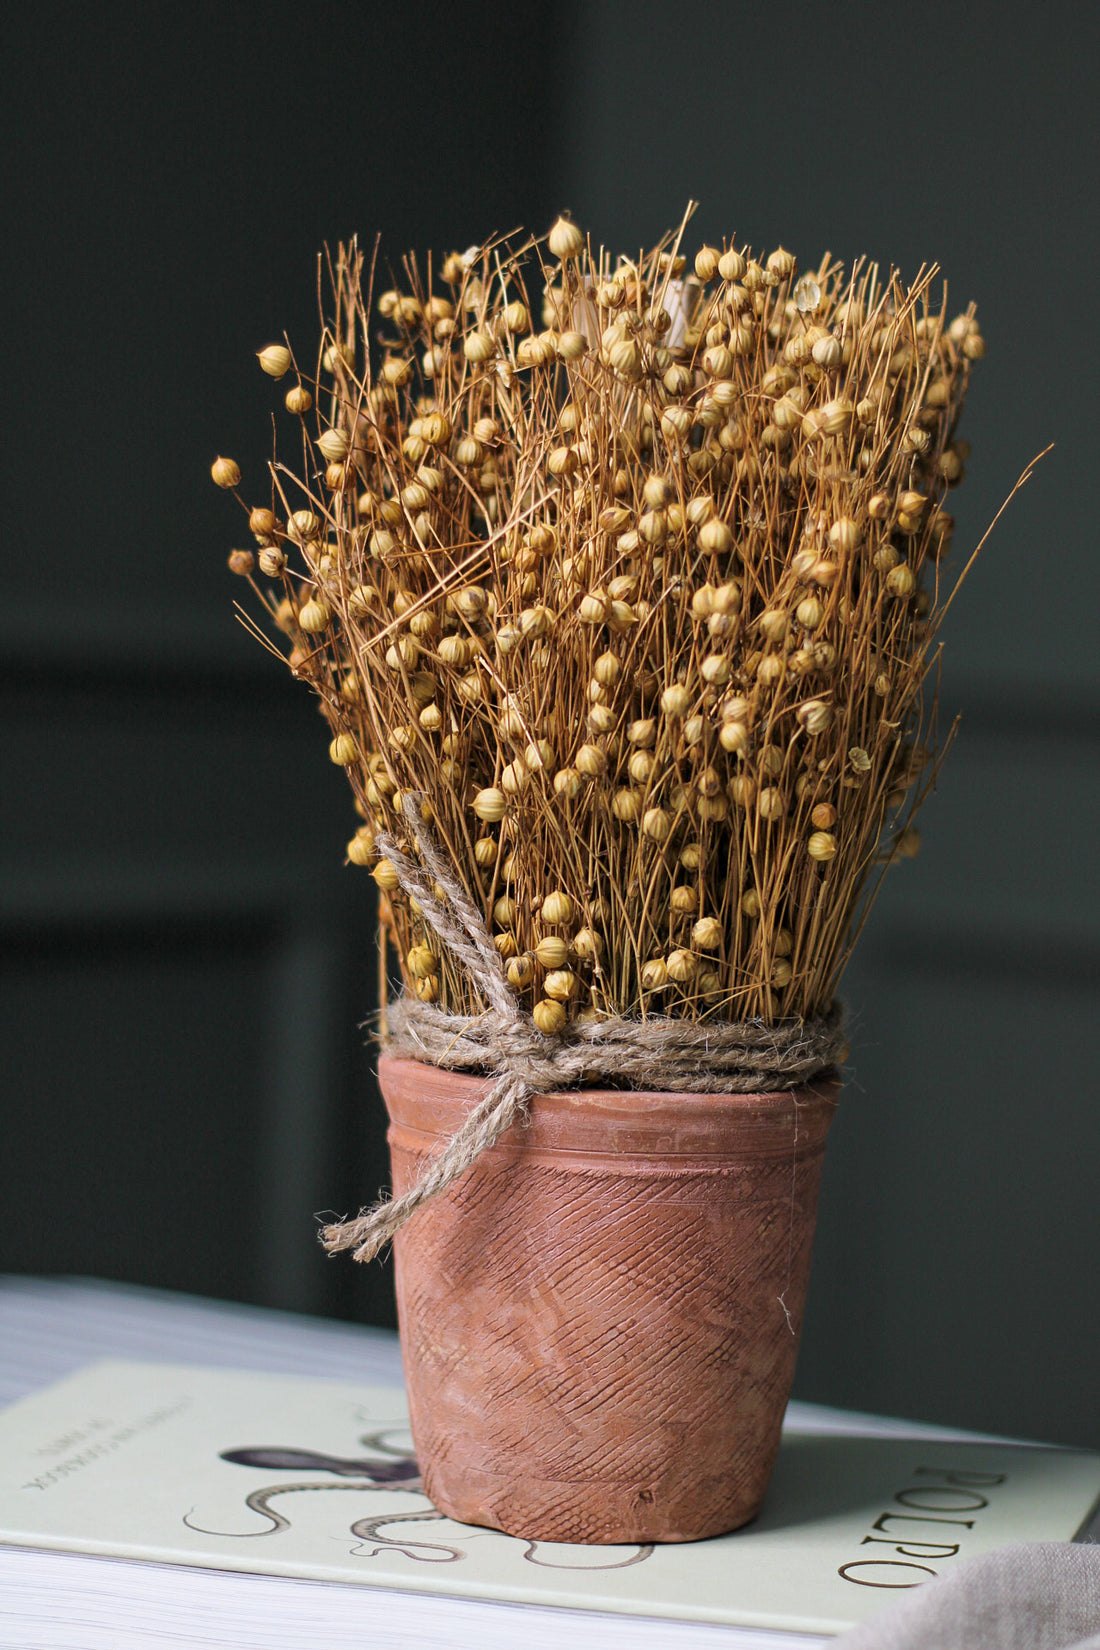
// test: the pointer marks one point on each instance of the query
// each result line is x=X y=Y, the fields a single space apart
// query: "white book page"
x=289 y=1477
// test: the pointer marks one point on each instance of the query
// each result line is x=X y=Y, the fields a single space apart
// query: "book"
x=269 y=1510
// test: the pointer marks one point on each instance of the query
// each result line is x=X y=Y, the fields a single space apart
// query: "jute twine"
x=660 y=1054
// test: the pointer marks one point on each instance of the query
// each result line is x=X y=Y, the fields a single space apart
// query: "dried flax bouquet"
x=623 y=621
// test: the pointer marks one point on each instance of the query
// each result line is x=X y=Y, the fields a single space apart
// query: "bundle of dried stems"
x=641 y=603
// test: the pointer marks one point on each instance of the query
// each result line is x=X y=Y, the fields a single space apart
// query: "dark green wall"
x=185 y=958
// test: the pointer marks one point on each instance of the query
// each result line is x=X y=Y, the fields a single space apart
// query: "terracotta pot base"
x=600 y=1319
x=595 y=1514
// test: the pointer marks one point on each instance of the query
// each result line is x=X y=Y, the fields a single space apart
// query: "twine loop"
x=672 y=1055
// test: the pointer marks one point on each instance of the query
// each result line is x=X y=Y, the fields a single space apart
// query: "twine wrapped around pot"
x=671 y=1055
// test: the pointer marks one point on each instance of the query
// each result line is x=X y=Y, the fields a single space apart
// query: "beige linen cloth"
x=1036 y=1596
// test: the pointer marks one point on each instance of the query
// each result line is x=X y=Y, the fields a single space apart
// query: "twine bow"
x=673 y=1055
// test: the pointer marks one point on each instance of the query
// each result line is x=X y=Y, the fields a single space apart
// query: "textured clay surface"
x=600 y=1319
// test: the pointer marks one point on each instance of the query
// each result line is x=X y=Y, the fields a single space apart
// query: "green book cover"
x=284 y=1476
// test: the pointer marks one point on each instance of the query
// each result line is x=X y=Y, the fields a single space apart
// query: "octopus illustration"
x=389 y=1467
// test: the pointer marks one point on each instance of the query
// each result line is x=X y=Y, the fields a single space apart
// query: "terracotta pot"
x=600 y=1319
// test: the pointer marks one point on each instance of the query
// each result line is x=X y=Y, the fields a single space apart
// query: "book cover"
x=315 y=1479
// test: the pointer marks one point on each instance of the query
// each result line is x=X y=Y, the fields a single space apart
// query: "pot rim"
x=427 y=1104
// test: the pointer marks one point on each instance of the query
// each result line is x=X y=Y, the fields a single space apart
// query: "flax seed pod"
x=298 y=400
x=262 y=524
x=550 y=1017
x=304 y=526
x=702 y=602
x=565 y=240
x=490 y=805
x=535 y=622
x=572 y=346
x=558 y=909
x=623 y=358
x=787 y=413
x=402 y=654
x=587 y=945
x=561 y=984
x=707 y=260
x=626 y=805
x=568 y=783
x=424 y=625
x=275 y=360
x=521 y=971
x=360 y=849
x=682 y=966
x=822 y=846
x=486 y=850
x=552 y=952
x=835 y=417
x=657 y=824
x=708 y=934
x=333 y=446
x=479 y=347
x=591 y=761
x=751 y=906
x=456 y=651
x=733 y=737
x=676 y=425
x=422 y=962
x=816 y=716
x=469 y=453
x=676 y=700
x=562 y=461
x=386 y=877
x=504 y=911
x=827 y=352
x=314 y=615
x=514 y=776
x=718 y=361
x=272 y=561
